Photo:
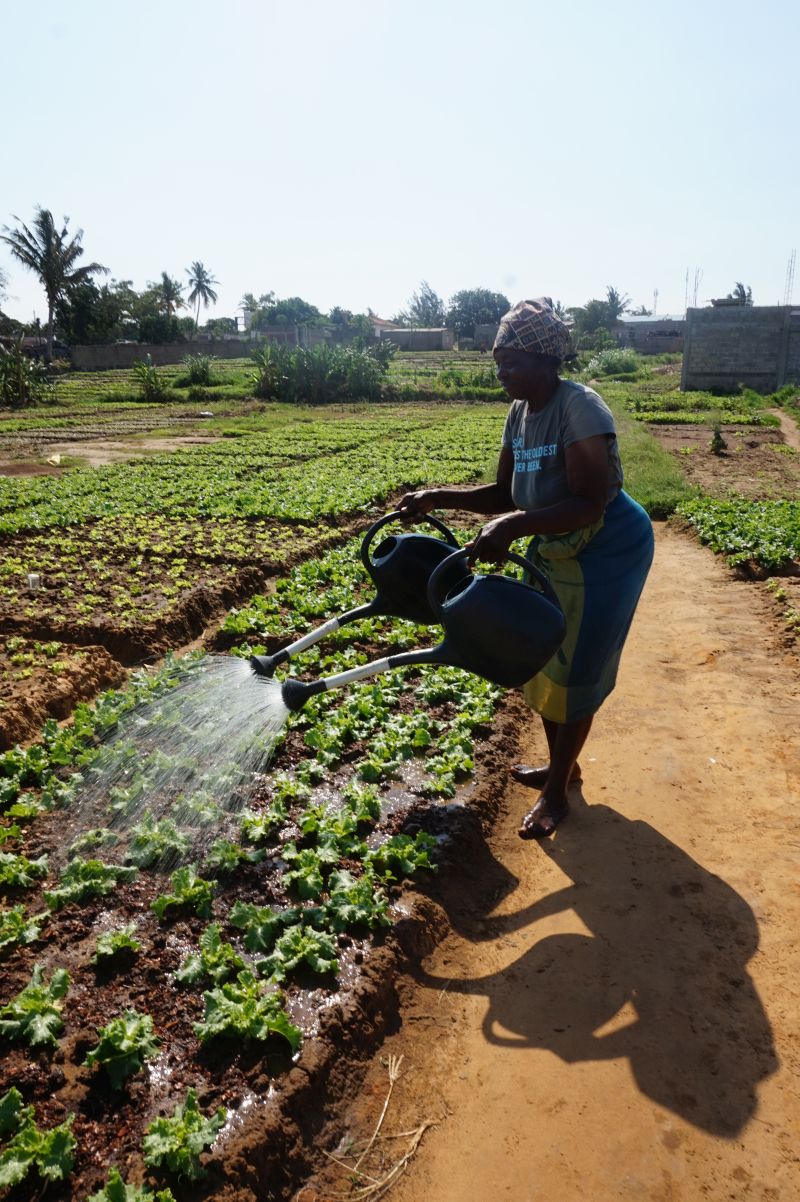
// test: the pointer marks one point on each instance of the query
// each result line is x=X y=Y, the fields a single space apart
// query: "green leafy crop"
x=116 y=1190
x=49 y=1152
x=155 y=842
x=17 y=928
x=176 y=1143
x=402 y=856
x=242 y=1009
x=216 y=960
x=119 y=942
x=35 y=1013
x=123 y=1046
x=226 y=857
x=356 y=902
x=297 y=946
x=17 y=872
x=82 y=879
x=189 y=891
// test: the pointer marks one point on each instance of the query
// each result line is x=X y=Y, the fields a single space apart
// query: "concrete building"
x=651 y=335
x=755 y=346
x=435 y=339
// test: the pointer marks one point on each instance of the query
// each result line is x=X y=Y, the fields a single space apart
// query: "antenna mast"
x=789 y=289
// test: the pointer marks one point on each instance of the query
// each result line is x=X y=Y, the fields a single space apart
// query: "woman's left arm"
x=586 y=462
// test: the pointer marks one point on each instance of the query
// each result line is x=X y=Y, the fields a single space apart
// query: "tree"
x=201 y=282
x=171 y=294
x=249 y=304
x=3 y=284
x=641 y=311
x=425 y=309
x=475 y=306
x=618 y=303
x=741 y=294
x=89 y=314
x=293 y=311
x=52 y=255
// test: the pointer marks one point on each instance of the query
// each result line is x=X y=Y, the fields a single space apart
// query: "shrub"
x=23 y=381
x=613 y=361
x=198 y=371
x=318 y=376
x=148 y=380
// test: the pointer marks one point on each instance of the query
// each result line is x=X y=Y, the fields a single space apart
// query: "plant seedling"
x=216 y=960
x=116 y=1190
x=114 y=944
x=123 y=1046
x=35 y=1013
x=176 y=1142
x=189 y=891
x=242 y=1009
x=49 y=1152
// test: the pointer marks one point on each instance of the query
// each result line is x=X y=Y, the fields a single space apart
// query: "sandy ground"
x=615 y=1013
x=98 y=452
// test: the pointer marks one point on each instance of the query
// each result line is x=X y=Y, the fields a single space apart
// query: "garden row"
x=137 y=1010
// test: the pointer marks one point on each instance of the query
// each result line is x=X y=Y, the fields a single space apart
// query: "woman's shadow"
x=666 y=960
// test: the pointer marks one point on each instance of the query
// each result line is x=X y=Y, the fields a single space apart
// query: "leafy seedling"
x=189 y=892
x=116 y=1190
x=18 y=872
x=401 y=856
x=82 y=879
x=176 y=1143
x=156 y=842
x=298 y=946
x=226 y=857
x=242 y=1009
x=123 y=1046
x=35 y=1013
x=116 y=944
x=356 y=902
x=216 y=960
x=49 y=1152
x=18 y=929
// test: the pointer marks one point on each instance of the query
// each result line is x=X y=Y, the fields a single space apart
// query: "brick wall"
x=755 y=346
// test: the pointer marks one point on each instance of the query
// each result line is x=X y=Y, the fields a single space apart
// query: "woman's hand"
x=415 y=505
x=493 y=541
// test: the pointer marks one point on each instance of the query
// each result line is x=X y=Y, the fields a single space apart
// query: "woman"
x=559 y=473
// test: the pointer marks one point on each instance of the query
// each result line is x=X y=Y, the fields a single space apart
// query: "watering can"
x=495 y=626
x=400 y=569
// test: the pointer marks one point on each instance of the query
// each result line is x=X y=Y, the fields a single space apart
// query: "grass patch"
x=652 y=475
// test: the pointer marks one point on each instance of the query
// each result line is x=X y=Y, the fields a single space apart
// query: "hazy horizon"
x=344 y=154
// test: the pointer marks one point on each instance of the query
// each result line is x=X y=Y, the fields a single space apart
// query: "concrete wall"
x=755 y=346
x=485 y=335
x=124 y=354
x=421 y=340
x=654 y=337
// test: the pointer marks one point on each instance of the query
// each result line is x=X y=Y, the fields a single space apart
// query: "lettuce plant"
x=49 y=1152
x=176 y=1143
x=242 y=1009
x=116 y=1190
x=18 y=929
x=216 y=959
x=300 y=945
x=82 y=879
x=123 y=1046
x=189 y=891
x=18 y=872
x=35 y=1013
x=116 y=943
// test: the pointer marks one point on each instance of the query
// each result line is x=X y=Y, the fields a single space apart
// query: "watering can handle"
x=389 y=517
x=436 y=603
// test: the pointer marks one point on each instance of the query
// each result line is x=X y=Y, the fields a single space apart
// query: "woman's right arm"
x=485 y=498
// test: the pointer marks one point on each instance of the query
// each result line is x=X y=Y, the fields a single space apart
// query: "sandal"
x=536 y=778
x=542 y=820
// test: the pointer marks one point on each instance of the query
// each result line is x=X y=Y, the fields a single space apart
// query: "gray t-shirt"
x=538 y=441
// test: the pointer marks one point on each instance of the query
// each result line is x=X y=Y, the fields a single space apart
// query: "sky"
x=345 y=152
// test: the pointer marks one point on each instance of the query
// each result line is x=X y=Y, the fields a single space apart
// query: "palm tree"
x=201 y=282
x=741 y=294
x=617 y=303
x=52 y=255
x=170 y=294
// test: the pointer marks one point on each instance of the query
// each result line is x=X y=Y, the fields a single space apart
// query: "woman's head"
x=530 y=345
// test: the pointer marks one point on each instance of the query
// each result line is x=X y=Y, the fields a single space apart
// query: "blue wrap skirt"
x=598 y=574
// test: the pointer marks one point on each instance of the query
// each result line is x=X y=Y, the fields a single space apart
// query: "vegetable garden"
x=190 y=975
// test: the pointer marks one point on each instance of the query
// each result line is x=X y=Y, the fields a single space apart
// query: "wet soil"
x=613 y=1013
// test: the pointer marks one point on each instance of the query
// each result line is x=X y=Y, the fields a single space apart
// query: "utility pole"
x=655 y=301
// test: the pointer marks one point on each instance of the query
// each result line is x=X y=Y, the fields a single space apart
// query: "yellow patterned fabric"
x=534 y=326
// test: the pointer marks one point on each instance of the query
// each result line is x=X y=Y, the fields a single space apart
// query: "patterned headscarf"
x=533 y=325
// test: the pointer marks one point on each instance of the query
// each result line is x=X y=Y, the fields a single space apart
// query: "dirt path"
x=789 y=429
x=616 y=1017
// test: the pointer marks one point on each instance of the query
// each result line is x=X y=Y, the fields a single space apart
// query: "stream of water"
x=191 y=757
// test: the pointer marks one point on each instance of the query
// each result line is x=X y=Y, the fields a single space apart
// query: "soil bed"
x=757 y=462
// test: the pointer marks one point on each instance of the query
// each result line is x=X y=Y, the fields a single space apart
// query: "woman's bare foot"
x=542 y=820
x=536 y=778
